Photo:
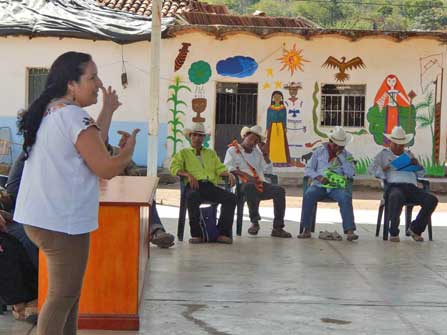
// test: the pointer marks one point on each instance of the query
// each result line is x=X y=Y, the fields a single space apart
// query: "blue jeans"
x=155 y=222
x=342 y=197
x=17 y=230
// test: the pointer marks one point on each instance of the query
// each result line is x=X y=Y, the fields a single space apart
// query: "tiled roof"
x=170 y=8
x=247 y=20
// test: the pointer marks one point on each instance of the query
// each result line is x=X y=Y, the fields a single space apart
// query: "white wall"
x=20 y=53
x=382 y=56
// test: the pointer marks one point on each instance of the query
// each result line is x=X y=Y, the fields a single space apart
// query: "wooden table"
x=119 y=250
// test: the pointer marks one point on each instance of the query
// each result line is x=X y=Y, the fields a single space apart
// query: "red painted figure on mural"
x=391 y=95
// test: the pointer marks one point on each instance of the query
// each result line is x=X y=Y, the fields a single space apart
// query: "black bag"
x=208 y=221
x=18 y=277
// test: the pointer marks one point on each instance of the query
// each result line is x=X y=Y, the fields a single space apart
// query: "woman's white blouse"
x=58 y=191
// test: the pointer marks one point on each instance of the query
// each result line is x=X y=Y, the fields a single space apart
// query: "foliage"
x=377 y=121
x=176 y=124
x=427 y=119
x=432 y=168
x=354 y=14
x=361 y=166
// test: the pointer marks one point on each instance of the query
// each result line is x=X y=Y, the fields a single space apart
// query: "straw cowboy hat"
x=257 y=130
x=197 y=128
x=340 y=137
x=399 y=136
x=293 y=84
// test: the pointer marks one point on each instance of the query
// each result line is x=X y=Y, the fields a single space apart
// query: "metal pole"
x=152 y=145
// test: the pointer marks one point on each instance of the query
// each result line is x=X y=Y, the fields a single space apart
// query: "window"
x=236 y=103
x=343 y=105
x=37 y=78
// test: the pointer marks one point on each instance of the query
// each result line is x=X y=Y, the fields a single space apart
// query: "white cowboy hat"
x=399 y=136
x=197 y=128
x=257 y=130
x=293 y=84
x=340 y=137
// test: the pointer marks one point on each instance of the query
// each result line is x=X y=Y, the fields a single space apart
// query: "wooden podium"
x=119 y=251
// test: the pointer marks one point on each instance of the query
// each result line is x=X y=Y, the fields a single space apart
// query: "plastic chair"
x=183 y=207
x=3 y=180
x=383 y=209
x=306 y=183
x=240 y=200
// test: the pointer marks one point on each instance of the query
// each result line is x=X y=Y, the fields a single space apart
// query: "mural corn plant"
x=176 y=124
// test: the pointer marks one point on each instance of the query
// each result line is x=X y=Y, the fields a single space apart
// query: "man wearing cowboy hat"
x=402 y=185
x=202 y=169
x=248 y=161
x=332 y=156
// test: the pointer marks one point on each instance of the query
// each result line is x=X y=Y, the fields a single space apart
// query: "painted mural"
x=431 y=79
x=181 y=57
x=291 y=141
x=199 y=73
x=342 y=65
x=294 y=108
x=392 y=107
x=292 y=60
x=237 y=67
x=277 y=130
x=198 y=106
x=175 y=123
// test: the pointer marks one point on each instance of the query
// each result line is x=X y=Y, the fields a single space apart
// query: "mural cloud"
x=238 y=67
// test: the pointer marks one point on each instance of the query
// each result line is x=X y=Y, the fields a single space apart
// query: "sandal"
x=254 y=229
x=414 y=236
x=279 y=232
x=337 y=237
x=305 y=234
x=325 y=235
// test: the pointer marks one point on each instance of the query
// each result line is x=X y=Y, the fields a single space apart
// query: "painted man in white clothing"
x=248 y=161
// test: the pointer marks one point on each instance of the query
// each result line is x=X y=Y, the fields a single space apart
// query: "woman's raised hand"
x=110 y=99
x=128 y=140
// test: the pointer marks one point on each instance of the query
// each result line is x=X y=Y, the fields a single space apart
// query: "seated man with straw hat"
x=248 y=161
x=202 y=169
x=402 y=185
x=331 y=159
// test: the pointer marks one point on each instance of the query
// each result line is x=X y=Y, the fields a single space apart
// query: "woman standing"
x=276 y=131
x=58 y=199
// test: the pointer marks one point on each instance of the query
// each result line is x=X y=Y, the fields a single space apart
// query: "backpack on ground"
x=208 y=223
x=18 y=277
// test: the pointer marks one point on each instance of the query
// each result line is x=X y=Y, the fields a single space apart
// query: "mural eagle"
x=342 y=66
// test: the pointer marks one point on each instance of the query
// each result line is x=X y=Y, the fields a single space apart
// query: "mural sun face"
x=292 y=59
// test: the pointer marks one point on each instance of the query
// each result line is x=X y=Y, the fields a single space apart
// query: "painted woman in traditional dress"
x=276 y=130
x=389 y=98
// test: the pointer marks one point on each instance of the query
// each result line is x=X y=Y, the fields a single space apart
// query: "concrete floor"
x=263 y=285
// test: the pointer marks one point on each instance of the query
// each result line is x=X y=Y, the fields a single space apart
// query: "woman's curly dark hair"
x=66 y=68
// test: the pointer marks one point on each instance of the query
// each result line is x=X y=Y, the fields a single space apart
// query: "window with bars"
x=343 y=105
x=37 y=78
x=236 y=103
